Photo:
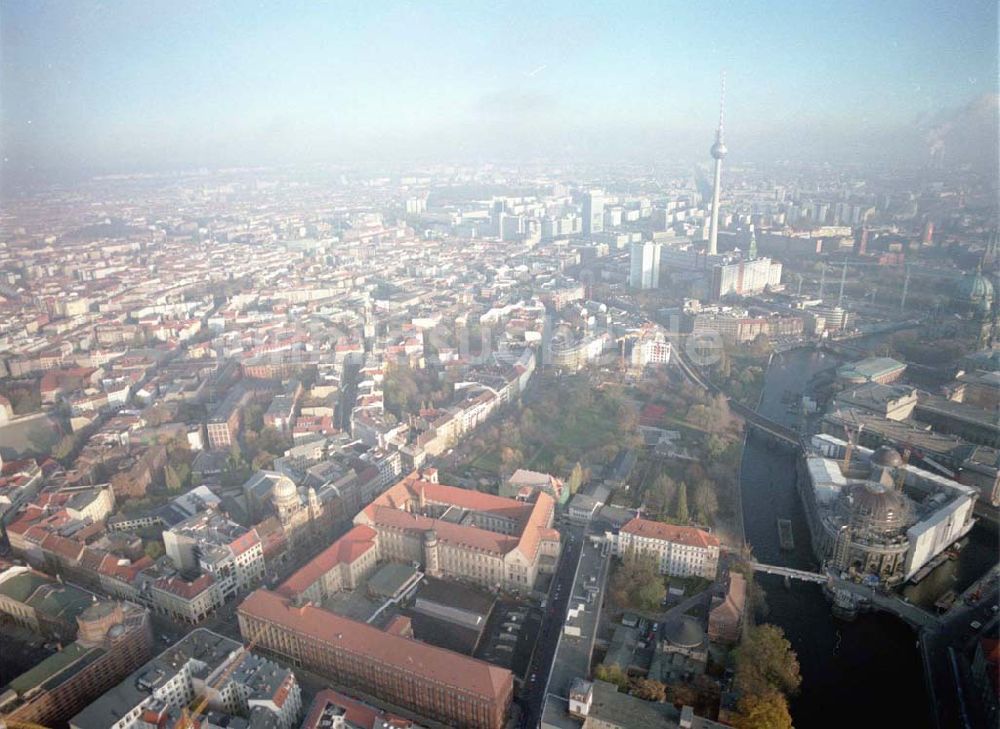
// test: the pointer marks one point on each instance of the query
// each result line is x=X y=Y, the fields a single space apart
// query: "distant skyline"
x=123 y=86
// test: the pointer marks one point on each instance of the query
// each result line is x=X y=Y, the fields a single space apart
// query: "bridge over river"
x=855 y=596
x=752 y=418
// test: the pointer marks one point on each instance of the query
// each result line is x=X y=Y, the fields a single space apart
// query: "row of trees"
x=695 y=499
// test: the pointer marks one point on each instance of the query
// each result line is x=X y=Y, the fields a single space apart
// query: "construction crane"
x=189 y=718
x=853 y=438
x=909 y=270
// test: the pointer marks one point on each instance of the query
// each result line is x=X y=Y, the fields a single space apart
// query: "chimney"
x=687 y=718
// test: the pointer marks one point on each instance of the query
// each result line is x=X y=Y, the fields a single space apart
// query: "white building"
x=650 y=351
x=745 y=277
x=680 y=551
x=208 y=542
x=233 y=681
x=644 y=265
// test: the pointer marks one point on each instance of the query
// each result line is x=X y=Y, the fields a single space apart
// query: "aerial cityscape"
x=499 y=367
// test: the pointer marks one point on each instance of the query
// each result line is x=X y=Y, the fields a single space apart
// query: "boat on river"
x=785 y=537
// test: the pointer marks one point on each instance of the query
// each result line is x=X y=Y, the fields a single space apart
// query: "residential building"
x=202 y=665
x=209 y=542
x=113 y=639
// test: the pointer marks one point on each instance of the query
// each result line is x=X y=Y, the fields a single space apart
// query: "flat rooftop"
x=573 y=654
x=208 y=648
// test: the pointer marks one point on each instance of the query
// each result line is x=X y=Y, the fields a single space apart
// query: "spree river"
x=862 y=673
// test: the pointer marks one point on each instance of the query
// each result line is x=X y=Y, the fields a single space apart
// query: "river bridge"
x=752 y=418
x=861 y=597
x=791 y=573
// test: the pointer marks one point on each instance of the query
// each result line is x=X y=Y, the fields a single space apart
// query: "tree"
x=637 y=583
x=769 y=711
x=153 y=549
x=660 y=494
x=176 y=476
x=650 y=690
x=510 y=458
x=706 y=505
x=253 y=417
x=271 y=441
x=650 y=594
x=575 y=478
x=766 y=662
x=681 y=512
x=715 y=447
x=612 y=674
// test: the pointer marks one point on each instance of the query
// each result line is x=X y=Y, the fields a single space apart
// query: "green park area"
x=566 y=422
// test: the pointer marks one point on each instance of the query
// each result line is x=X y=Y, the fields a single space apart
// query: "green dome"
x=976 y=291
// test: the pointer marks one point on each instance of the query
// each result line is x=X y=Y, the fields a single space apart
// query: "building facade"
x=447 y=687
x=679 y=551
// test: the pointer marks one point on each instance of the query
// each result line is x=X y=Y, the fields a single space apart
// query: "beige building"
x=466 y=534
x=679 y=551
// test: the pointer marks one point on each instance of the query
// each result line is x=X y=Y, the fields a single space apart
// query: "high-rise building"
x=593 y=212
x=745 y=277
x=644 y=265
x=718 y=152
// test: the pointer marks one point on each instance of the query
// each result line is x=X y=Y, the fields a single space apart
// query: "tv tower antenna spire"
x=718 y=151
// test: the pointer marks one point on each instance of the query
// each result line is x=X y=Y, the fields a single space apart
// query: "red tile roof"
x=355 y=712
x=244 y=542
x=393 y=510
x=373 y=645
x=183 y=588
x=348 y=548
x=690 y=536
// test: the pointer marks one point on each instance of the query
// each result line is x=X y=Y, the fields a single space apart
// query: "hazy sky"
x=110 y=85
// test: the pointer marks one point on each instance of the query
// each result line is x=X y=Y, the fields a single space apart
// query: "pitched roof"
x=691 y=536
x=348 y=548
x=311 y=623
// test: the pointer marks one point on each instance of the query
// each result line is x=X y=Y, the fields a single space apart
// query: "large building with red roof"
x=452 y=532
x=680 y=551
x=433 y=682
x=455 y=532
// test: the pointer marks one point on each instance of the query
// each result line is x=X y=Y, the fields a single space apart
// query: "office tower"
x=718 y=152
x=644 y=265
x=593 y=212
x=861 y=240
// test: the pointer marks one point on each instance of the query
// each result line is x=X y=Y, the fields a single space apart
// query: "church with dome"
x=872 y=516
x=304 y=514
x=974 y=300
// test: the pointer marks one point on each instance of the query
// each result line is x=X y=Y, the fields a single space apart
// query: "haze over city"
x=442 y=365
x=118 y=86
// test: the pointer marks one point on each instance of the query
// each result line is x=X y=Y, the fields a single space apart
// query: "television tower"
x=718 y=152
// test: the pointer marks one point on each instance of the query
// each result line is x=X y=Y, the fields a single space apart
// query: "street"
x=532 y=695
